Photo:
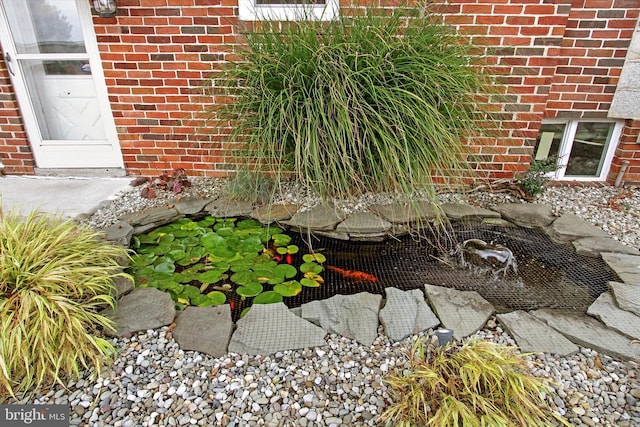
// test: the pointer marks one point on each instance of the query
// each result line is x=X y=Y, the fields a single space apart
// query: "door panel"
x=51 y=51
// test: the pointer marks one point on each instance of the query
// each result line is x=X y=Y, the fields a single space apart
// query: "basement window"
x=583 y=149
x=288 y=10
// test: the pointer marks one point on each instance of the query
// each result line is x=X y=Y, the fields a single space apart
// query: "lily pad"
x=288 y=289
x=250 y=290
x=267 y=297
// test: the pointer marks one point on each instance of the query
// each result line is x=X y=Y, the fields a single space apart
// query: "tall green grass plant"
x=54 y=278
x=372 y=101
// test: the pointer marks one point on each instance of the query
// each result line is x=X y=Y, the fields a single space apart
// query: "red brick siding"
x=15 y=152
x=156 y=56
x=628 y=151
x=557 y=59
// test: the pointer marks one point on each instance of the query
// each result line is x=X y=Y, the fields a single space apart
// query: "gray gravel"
x=154 y=383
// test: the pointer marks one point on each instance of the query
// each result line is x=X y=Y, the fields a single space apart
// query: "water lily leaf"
x=140 y=260
x=191 y=226
x=166 y=267
x=320 y=258
x=242 y=264
x=206 y=221
x=309 y=283
x=244 y=312
x=267 y=297
x=166 y=239
x=190 y=241
x=286 y=270
x=211 y=276
x=251 y=244
x=199 y=300
x=250 y=290
x=288 y=289
x=190 y=291
x=183 y=301
x=293 y=249
x=244 y=277
x=225 y=231
x=212 y=240
x=311 y=267
x=222 y=252
x=281 y=240
x=147 y=239
x=177 y=254
x=248 y=223
x=281 y=250
x=217 y=297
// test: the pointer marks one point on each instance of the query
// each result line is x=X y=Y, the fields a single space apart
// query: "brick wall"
x=156 y=56
x=557 y=59
x=15 y=152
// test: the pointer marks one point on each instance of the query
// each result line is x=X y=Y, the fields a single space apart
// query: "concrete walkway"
x=68 y=197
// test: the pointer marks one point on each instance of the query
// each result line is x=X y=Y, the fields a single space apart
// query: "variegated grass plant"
x=372 y=101
x=479 y=384
x=54 y=278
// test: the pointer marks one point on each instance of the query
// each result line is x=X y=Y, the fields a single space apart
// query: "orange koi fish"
x=358 y=276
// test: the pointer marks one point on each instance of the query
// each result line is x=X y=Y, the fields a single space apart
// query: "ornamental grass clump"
x=479 y=384
x=54 y=278
x=372 y=101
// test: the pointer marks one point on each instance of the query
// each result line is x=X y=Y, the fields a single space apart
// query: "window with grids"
x=288 y=10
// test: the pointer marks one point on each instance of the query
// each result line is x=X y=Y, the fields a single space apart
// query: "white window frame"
x=571 y=126
x=248 y=10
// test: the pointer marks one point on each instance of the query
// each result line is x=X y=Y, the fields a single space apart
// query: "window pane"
x=549 y=140
x=266 y=2
x=45 y=26
x=589 y=146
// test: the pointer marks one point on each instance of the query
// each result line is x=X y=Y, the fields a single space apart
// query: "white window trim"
x=566 y=144
x=249 y=11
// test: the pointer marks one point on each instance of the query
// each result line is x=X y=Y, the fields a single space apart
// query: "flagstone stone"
x=406 y=313
x=534 y=335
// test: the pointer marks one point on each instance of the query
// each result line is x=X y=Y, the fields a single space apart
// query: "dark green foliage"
x=367 y=103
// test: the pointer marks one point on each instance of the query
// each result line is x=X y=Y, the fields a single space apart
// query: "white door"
x=51 y=52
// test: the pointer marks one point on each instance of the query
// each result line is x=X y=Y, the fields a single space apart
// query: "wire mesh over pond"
x=549 y=275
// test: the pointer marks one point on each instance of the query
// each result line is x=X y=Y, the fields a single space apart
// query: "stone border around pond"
x=607 y=328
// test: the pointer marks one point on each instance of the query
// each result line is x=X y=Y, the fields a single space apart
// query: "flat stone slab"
x=229 y=208
x=627 y=267
x=465 y=312
x=627 y=296
x=155 y=217
x=406 y=313
x=274 y=213
x=588 y=332
x=363 y=222
x=119 y=233
x=606 y=309
x=191 y=205
x=204 y=329
x=406 y=213
x=141 y=309
x=535 y=336
x=269 y=328
x=322 y=217
x=352 y=316
x=570 y=227
x=594 y=246
x=526 y=214
x=123 y=285
x=461 y=212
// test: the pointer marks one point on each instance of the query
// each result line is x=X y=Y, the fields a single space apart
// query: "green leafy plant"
x=372 y=101
x=200 y=262
x=532 y=181
x=54 y=277
x=478 y=384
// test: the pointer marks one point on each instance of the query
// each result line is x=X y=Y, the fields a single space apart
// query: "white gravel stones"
x=154 y=383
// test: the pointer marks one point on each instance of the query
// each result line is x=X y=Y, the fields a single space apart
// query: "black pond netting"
x=549 y=275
